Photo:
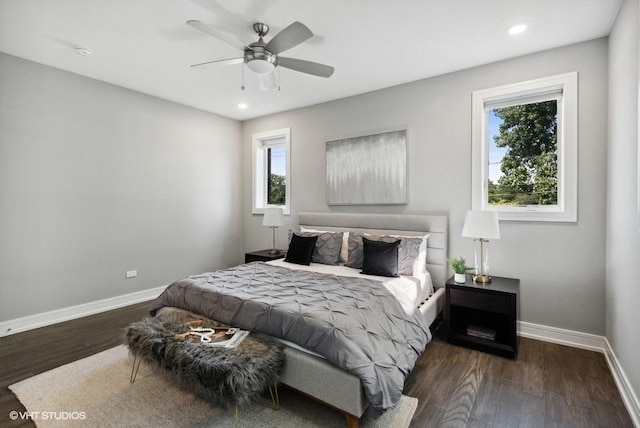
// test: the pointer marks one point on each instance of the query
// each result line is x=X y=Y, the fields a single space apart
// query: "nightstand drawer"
x=483 y=301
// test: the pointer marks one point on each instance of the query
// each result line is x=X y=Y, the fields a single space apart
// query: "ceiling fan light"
x=260 y=66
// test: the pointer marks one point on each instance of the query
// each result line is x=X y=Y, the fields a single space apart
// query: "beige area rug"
x=95 y=392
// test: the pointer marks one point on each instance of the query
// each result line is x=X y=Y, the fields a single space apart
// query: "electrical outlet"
x=132 y=273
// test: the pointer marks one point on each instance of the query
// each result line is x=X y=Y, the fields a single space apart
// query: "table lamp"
x=482 y=226
x=273 y=217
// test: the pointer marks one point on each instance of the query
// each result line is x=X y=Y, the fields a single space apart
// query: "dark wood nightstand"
x=262 y=256
x=483 y=316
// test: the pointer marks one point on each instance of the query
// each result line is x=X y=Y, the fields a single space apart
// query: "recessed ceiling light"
x=517 y=29
x=84 y=51
x=242 y=106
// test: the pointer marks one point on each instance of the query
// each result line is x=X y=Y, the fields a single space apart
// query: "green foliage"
x=277 y=187
x=459 y=265
x=530 y=165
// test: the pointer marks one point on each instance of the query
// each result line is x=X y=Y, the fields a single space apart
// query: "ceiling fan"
x=263 y=58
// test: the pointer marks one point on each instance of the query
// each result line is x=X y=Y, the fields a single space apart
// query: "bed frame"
x=321 y=380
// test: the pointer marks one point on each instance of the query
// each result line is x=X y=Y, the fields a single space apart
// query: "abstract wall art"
x=368 y=170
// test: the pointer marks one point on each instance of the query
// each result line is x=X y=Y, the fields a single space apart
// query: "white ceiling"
x=145 y=45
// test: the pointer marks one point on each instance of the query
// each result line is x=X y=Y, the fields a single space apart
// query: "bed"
x=349 y=389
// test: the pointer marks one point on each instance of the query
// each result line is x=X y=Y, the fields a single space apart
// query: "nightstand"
x=483 y=316
x=262 y=256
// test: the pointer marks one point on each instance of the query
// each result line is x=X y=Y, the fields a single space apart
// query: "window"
x=271 y=170
x=524 y=149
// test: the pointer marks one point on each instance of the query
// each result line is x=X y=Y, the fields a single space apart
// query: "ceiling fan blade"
x=306 y=66
x=267 y=81
x=229 y=61
x=220 y=35
x=291 y=36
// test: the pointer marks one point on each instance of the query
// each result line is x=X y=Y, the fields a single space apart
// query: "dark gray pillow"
x=327 y=248
x=408 y=251
x=380 y=258
x=300 y=249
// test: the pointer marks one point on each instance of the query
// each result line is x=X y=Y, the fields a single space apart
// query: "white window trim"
x=262 y=141
x=566 y=210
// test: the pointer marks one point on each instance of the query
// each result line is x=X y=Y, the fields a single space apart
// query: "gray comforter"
x=355 y=323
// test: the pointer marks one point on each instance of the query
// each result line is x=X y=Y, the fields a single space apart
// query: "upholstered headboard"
x=435 y=224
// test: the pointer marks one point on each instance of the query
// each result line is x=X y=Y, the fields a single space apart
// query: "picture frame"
x=367 y=170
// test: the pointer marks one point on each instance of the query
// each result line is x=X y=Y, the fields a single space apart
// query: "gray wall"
x=561 y=265
x=623 y=233
x=96 y=180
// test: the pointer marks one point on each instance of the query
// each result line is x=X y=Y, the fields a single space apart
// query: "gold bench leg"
x=275 y=399
x=237 y=417
x=134 y=369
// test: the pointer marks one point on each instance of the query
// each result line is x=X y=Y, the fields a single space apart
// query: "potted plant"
x=460 y=269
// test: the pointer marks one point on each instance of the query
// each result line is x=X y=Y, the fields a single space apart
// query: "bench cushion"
x=219 y=375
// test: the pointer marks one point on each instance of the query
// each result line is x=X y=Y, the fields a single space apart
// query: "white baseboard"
x=575 y=339
x=591 y=342
x=65 y=314
x=629 y=396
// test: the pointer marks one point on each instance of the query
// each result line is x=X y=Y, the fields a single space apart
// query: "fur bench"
x=223 y=376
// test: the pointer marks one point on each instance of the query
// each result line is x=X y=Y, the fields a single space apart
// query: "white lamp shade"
x=273 y=217
x=481 y=224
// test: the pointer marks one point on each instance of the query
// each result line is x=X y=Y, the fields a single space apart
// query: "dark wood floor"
x=27 y=354
x=547 y=385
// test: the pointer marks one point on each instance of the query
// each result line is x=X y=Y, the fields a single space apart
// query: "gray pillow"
x=328 y=246
x=355 y=257
x=408 y=252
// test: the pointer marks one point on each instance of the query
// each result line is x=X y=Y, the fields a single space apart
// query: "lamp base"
x=274 y=251
x=482 y=279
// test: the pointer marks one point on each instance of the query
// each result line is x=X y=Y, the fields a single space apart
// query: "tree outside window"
x=527 y=138
x=277 y=183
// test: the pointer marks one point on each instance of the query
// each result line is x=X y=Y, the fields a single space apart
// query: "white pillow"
x=421 y=264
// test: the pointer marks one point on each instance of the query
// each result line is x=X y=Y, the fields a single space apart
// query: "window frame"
x=260 y=143
x=567 y=146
